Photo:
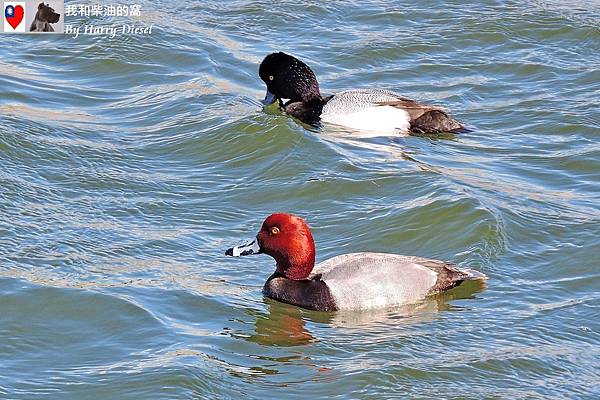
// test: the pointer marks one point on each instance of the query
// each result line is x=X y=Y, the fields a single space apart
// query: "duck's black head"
x=287 y=77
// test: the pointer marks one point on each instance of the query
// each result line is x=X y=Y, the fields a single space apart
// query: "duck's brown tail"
x=435 y=121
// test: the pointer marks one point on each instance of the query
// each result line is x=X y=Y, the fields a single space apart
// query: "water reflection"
x=372 y=148
x=406 y=315
x=282 y=325
x=285 y=325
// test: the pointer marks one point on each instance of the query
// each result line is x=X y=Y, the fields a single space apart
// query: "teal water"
x=128 y=165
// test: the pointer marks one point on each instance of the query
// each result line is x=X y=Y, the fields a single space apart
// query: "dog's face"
x=47 y=14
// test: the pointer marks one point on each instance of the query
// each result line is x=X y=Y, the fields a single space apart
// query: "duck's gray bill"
x=244 y=250
x=269 y=98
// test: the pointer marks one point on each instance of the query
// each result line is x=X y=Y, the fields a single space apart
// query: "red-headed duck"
x=347 y=282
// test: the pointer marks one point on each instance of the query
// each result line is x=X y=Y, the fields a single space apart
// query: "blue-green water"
x=128 y=165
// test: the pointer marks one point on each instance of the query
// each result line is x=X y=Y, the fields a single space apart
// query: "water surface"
x=128 y=165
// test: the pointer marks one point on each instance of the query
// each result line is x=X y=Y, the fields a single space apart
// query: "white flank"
x=361 y=281
x=382 y=119
x=360 y=109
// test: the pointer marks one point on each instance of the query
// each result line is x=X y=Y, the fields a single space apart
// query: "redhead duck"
x=288 y=78
x=347 y=282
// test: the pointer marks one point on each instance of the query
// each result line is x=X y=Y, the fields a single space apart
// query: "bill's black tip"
x=229 y=252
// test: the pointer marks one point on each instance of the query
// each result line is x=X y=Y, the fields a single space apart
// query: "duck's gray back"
x=356 y=100
x=374 y=280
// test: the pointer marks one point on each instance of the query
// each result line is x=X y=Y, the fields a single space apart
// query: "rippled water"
x=129 y=164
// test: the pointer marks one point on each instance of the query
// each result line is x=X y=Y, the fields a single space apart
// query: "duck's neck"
x=296 y=273
x=297 y=265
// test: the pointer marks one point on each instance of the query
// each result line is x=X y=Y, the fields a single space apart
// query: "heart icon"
x=14 y=15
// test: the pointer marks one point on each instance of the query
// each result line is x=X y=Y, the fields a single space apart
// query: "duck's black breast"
x=307 y=112
x=312 y=294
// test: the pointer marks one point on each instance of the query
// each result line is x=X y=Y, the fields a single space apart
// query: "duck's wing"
x=422 y=118
x=356 y=100
x=359 y=99
x=413 y=108
x=373 y=280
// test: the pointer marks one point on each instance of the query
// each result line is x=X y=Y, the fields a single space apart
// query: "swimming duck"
x=354 y=281
x=288 y=78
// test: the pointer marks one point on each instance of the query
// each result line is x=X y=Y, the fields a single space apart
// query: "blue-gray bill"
x=244 y=250
x=270 y=98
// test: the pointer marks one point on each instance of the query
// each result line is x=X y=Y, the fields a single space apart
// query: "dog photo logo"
x=45 y=16
x=14 y=16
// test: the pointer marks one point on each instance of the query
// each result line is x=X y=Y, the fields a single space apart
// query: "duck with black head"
x=354 y=281
x=380 y=110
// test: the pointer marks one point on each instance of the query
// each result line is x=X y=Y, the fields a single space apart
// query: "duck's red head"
x=288 y=240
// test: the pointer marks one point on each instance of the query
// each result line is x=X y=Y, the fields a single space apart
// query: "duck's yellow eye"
x=271 y=77
x=274 y=230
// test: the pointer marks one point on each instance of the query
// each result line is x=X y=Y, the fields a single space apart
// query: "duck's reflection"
x=285 y=325
x=401 y=318
x=373 y=145
x=282 y=325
